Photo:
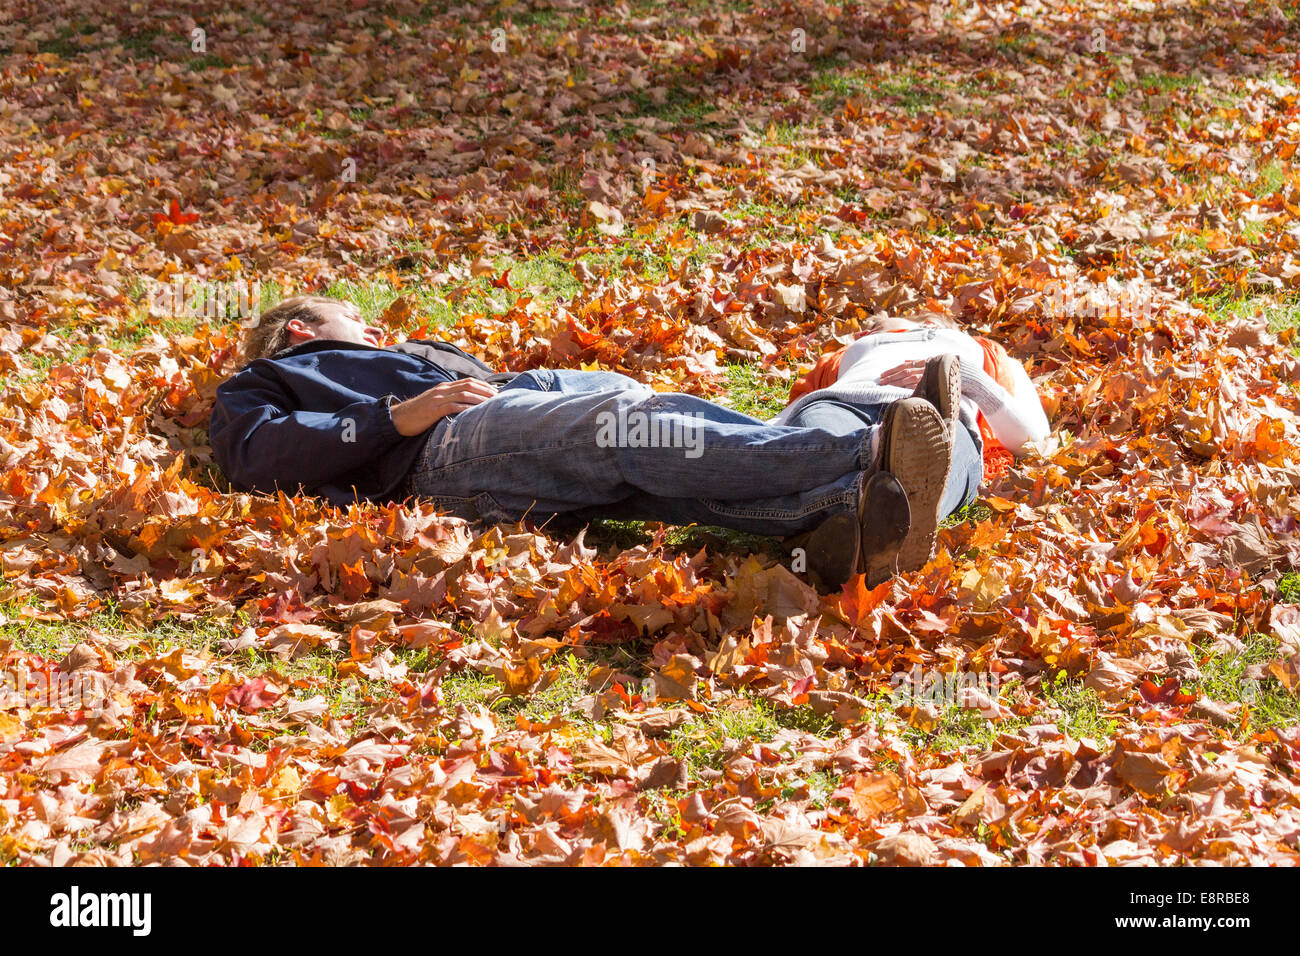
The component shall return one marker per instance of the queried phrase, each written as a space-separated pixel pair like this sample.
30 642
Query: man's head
306 317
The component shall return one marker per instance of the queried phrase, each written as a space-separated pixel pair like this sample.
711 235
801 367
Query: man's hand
907 375
417 415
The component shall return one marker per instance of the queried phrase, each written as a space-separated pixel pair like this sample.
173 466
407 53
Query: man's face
338 321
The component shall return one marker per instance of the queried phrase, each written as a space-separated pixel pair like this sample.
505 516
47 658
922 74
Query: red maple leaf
286 608
253 695
1170 692
175 216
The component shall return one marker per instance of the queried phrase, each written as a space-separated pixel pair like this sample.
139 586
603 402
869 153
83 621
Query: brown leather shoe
885 518
916 448
940 385
863 543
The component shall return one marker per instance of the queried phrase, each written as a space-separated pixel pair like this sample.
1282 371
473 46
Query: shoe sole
917 450
885 518
941 387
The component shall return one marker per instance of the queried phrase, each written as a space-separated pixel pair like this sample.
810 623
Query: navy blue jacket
315 417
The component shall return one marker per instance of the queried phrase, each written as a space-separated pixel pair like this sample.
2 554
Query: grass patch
1224 679
701 741
208 61
1168 82
958 728
681 107
141 44
1079 712
544 277
751 393
816 787
54 639
571 681
1271 178
1085 714
1282 311
972 514
833 86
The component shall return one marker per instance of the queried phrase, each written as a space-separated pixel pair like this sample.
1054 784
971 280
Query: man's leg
555 442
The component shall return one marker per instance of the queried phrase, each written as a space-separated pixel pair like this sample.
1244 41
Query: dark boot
885 519
863 543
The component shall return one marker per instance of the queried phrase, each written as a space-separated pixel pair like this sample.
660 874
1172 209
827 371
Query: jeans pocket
535 379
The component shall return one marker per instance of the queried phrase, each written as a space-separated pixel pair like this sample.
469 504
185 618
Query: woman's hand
417 415
907 375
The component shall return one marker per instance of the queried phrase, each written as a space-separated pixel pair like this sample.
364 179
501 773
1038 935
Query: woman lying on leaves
882 440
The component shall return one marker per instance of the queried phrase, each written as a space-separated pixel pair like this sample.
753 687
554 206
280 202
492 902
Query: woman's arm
1016 419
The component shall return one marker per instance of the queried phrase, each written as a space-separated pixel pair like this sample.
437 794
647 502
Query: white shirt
1016 418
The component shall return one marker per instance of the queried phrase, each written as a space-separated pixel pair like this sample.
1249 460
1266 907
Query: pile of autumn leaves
1141 539
1141 543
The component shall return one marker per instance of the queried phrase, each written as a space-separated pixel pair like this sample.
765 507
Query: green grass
61 45
973 513
834 85
1082 714
346 695
815 786
206 62
571 681
1168 82
1224 680
633 257
1271 178
958 728
681 106
661 807
751 394
54 639
1280 311
140 44
1288 588
700 741
543 278
137 326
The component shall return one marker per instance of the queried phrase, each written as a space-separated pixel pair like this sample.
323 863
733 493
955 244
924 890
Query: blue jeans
564 442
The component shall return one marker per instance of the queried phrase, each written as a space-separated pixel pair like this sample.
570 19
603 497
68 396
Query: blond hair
271 334
934 319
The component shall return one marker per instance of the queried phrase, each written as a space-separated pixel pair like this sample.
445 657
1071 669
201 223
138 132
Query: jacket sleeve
1016 419
262 443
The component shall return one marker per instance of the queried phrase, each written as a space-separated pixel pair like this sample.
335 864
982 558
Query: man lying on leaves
883 442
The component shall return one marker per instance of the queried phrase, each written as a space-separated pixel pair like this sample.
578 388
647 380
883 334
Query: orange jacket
996 456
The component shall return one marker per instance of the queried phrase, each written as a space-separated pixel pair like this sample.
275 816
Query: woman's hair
271 334
933 319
